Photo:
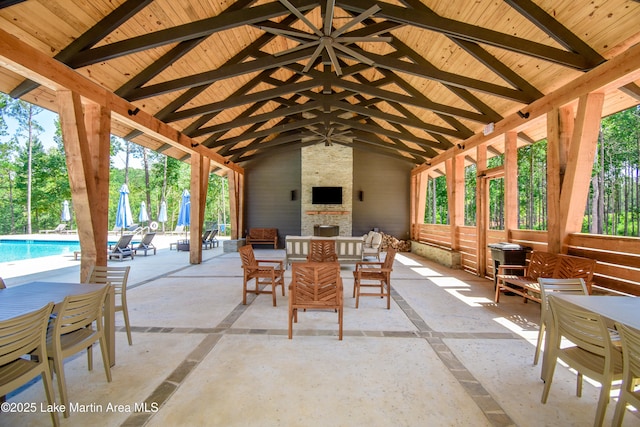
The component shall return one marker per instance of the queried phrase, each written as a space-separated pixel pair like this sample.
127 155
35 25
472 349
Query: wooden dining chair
630 372
265 272
315 285
117 278
322 250
553 286
592 353
23 354
72 331
379 273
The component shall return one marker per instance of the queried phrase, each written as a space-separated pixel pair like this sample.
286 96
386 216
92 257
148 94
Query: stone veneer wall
327 166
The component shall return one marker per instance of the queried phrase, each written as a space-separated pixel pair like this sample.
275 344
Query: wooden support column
236 200
455 191
418 202
575 187
560 124
86 143
198 199
482 211
510 181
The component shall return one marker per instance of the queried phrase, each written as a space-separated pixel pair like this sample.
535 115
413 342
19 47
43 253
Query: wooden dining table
21 299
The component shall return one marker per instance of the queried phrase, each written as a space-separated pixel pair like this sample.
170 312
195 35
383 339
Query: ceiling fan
327 38
328 135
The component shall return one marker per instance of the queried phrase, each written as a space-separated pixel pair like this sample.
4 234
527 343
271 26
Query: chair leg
105 357
273 292
579 385
539 344
58 368
548 379
90 357
127 326
357 292
47 381
244 292
388 285
340 323
620 409
603 401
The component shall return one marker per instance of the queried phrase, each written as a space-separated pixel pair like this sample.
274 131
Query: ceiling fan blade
363 39
328 16
364 15
287 32
297 48
313 58
334 58
353 53
300 16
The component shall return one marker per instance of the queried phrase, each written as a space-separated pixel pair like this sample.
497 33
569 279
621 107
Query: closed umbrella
66 214
185 209
143 216
162 215
123 213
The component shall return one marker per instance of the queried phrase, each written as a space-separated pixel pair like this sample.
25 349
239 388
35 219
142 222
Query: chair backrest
583 328
146 239
109 275
630 350
179 229
321 250
316 284
388 259
574 267
247 257
550 286
541 264
213 234
80 311
23 335
60 227
124 241
205 235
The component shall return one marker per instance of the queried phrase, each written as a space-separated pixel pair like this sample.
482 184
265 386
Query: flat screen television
326 195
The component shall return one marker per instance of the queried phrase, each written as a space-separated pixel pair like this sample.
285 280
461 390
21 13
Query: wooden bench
264 236
543 264
348 249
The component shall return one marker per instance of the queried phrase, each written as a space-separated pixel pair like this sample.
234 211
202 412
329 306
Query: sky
46 119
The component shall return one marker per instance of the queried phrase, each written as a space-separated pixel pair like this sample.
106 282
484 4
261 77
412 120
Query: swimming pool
12 250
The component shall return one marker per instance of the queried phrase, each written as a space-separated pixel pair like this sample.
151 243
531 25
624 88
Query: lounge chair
212 241
178 230
58 229
146 245
122 249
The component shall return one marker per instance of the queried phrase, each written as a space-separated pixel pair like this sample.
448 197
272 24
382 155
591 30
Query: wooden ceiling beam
89 38
423 17
236 101
194 30
24 59
226 71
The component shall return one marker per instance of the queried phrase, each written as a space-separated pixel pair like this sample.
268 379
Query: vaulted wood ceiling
406 78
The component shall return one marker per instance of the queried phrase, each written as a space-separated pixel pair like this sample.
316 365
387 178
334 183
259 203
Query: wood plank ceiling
405 78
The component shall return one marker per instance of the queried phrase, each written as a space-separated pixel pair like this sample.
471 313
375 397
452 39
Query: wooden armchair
377 272
264 271
315 285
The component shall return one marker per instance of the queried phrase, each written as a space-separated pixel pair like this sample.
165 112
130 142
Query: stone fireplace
327 166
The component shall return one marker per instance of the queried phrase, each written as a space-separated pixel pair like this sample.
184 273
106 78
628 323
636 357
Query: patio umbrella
66 214
185 209
143 216
123 213
162 215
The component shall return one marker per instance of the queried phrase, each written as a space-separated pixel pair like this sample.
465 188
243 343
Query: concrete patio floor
444 355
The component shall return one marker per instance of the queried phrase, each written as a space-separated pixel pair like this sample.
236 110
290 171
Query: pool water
12 250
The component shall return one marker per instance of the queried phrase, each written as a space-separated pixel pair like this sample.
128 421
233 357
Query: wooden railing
618 258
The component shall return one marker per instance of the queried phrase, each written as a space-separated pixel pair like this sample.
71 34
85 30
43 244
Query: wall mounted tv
326 195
